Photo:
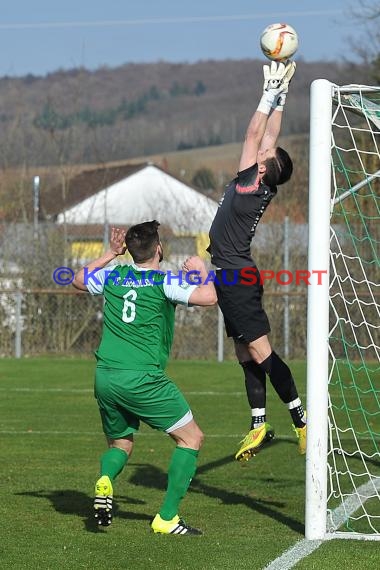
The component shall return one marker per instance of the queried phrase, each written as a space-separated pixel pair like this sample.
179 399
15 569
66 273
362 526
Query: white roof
145 195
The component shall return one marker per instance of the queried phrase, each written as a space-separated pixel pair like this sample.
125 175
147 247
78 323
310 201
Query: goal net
343 460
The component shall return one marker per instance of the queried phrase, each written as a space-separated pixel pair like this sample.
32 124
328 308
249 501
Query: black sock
255 385
283 382
297 412
280 377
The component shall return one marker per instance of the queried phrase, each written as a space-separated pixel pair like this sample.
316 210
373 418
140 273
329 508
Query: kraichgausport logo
245 276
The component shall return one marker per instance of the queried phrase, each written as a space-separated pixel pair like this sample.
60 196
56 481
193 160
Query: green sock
112 462
181 470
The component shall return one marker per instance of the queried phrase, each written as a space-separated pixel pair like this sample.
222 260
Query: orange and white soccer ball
279 42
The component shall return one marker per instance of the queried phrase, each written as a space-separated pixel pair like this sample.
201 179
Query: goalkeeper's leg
260 431
283 382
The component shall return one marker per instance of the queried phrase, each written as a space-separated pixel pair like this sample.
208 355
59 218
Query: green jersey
139 312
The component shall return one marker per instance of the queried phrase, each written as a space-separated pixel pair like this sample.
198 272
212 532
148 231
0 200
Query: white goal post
343 328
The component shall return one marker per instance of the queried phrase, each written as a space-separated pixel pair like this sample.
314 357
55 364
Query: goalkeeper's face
263 155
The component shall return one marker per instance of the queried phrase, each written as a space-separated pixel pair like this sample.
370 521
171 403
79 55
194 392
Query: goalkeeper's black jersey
234 225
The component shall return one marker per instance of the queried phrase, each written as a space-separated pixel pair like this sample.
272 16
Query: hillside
182 116
80 116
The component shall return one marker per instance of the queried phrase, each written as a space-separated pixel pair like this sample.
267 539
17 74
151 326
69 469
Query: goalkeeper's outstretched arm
264 127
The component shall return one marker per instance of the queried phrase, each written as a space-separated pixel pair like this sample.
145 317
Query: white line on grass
292 556
97 433
150 434
47 390
87 390
338 517
91 390
351 504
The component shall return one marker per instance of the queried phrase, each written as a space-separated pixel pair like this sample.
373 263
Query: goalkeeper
263 166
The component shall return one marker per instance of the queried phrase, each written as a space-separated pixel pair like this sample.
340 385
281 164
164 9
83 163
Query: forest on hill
82 116
65 119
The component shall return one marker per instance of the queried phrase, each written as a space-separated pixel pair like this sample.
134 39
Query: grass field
50 444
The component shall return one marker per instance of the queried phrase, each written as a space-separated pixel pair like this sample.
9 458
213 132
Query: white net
354 340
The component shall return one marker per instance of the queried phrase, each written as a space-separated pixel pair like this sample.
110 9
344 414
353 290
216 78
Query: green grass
51 441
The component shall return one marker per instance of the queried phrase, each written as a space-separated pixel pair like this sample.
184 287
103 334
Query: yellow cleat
254 441
301 436
174 526
103 501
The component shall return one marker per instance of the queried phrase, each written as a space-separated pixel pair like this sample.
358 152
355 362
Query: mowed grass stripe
88 390
138 434
234 393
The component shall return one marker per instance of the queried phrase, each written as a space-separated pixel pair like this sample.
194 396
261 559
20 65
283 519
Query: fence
36 321
60 322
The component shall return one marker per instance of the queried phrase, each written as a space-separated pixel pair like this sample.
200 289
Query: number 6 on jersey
129 307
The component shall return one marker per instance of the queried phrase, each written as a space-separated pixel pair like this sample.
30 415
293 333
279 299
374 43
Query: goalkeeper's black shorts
240 300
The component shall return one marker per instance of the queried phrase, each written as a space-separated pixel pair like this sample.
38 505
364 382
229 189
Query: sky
42 36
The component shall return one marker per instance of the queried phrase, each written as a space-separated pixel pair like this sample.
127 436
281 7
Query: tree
367 14
204 179
200 88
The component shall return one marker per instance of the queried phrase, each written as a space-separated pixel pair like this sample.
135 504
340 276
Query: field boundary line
91 390
294 555
339 516
281 437
138 434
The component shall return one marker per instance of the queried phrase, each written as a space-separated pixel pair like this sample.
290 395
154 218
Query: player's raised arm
117 247
265 124
273 126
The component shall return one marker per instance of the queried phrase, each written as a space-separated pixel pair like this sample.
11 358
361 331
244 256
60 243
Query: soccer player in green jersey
130 382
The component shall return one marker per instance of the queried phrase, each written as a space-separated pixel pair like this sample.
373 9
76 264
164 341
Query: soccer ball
279 42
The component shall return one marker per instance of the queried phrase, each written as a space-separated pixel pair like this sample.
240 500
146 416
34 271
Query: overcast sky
41 36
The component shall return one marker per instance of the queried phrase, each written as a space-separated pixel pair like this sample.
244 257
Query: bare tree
366 13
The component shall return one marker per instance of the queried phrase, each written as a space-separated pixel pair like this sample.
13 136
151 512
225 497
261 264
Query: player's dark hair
279 168
141 241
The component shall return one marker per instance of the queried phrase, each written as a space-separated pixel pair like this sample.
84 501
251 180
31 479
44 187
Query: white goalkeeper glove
276 84
290 69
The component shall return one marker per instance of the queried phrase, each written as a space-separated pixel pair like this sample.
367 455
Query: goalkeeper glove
290 69
272 86
276 84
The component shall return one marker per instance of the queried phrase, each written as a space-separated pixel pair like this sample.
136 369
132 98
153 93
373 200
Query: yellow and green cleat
301 436
254 442
103 501
175 526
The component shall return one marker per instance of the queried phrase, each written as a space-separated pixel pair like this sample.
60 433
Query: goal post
343 328
318 307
